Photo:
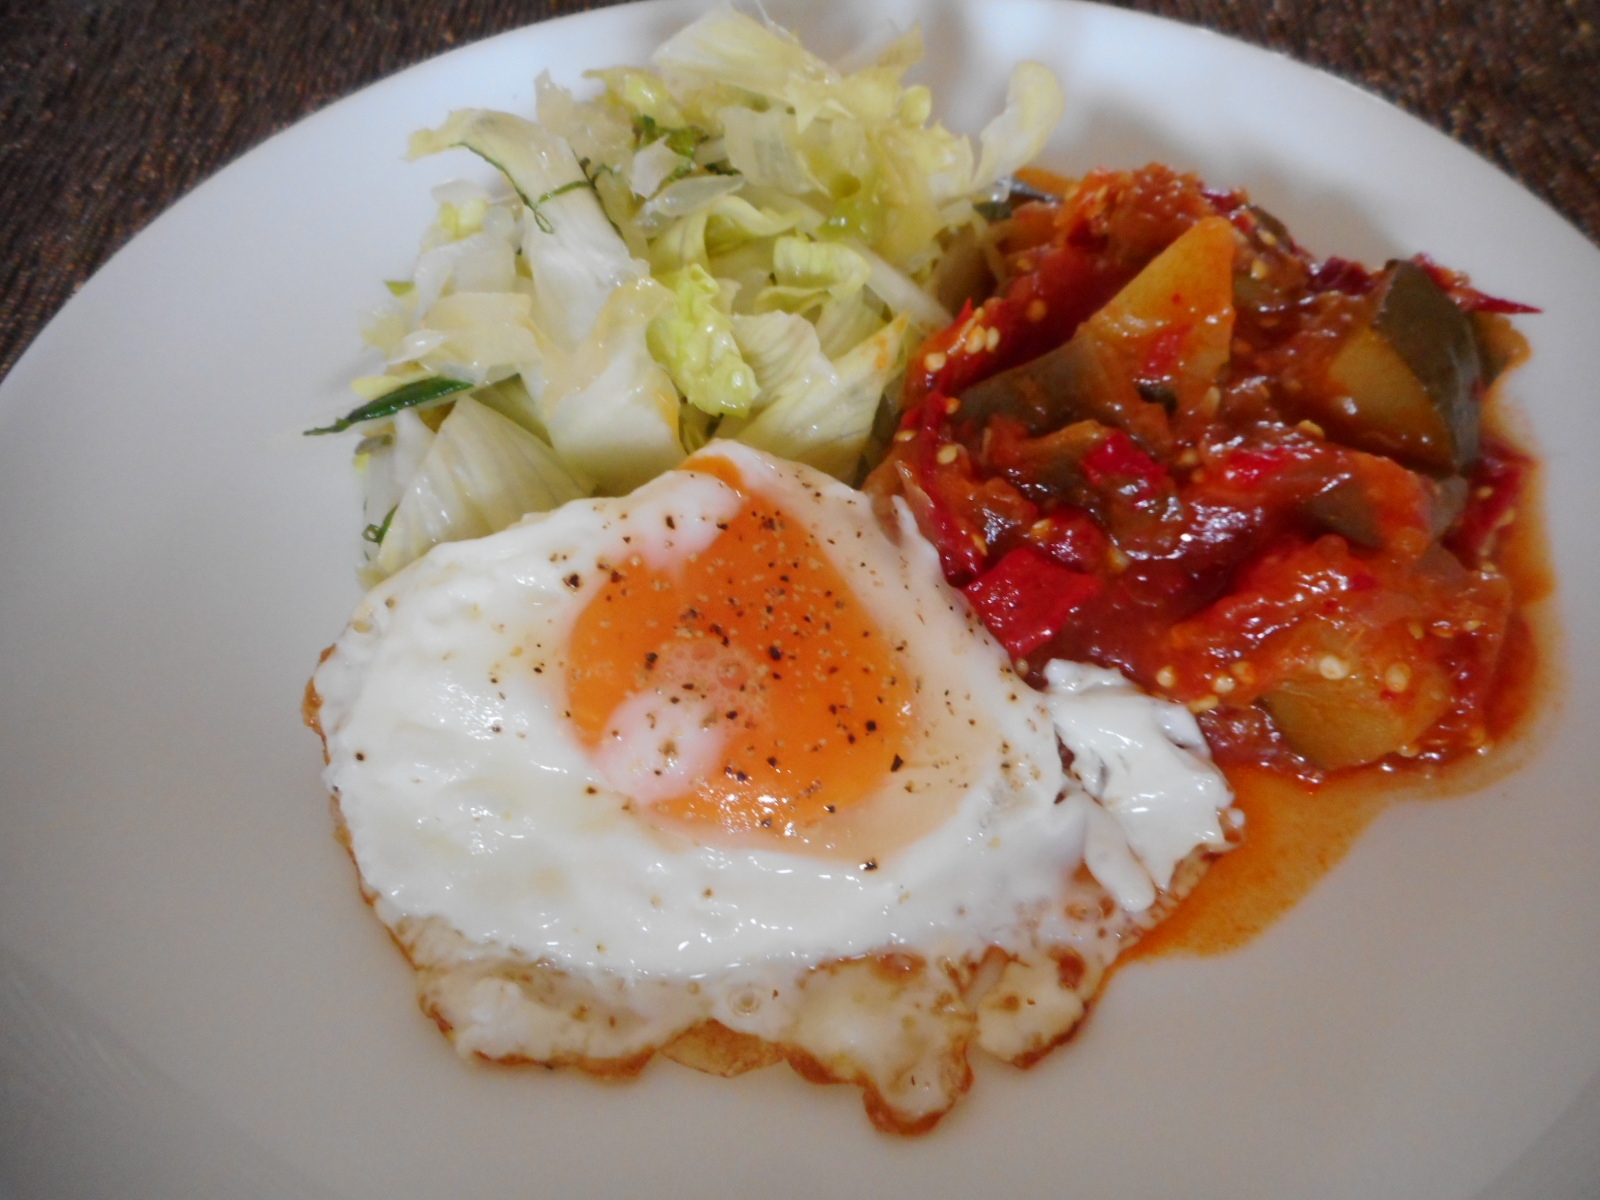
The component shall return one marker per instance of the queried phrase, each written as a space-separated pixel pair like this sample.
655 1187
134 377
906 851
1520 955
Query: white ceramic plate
193 1001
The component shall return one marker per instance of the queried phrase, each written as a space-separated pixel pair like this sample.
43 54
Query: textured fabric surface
112 109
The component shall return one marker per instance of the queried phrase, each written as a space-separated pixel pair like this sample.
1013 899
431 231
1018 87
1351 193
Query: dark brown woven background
112 109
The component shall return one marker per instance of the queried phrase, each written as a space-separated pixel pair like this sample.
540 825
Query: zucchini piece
1052 462
1500 345
963 273
1370 510
1348 509
1356 694
1074 382
1165 334
1409 378
1350 722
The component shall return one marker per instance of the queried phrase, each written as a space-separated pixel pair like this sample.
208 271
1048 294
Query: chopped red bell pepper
1027 596
1250 467
1496 483
1118 459
1468 297
1070 536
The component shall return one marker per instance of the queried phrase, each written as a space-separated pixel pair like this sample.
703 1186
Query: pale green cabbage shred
736 241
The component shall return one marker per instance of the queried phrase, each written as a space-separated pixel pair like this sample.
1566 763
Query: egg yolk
764 696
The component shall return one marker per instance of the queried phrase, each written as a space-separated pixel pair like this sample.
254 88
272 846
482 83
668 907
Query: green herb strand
376 533
542 221
539 219
682 140
410 395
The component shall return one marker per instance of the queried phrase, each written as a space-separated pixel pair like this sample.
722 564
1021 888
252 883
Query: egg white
550 920
468 796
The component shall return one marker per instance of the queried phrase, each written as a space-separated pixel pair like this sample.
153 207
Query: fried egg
723 769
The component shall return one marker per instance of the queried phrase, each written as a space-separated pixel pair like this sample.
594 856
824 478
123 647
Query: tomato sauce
1259 484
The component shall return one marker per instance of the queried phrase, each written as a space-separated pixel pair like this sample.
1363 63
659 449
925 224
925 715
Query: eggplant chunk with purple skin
1407 379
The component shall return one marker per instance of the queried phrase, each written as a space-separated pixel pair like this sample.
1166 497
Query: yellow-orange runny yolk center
746 687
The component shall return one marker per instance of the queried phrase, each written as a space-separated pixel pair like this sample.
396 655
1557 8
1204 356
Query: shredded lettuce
1034 107
574 256
808 273
784 352
684 198
901 293
481 261
597 131
655 165
725 224
693 337
483 336
387 460
826 424
480 474
764 147
611 409
735 240
512 399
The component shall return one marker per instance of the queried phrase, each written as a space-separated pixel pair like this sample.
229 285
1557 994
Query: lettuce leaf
653 166
386 460
611 409
728 48
513 399
764 147
736 240
685 197
784 353
725 223
484 336
1034 107
808 273
480 474
902 293
483 261
827 423
600 131
693 339
575 257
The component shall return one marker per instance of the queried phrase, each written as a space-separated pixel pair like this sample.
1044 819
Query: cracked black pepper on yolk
812 699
